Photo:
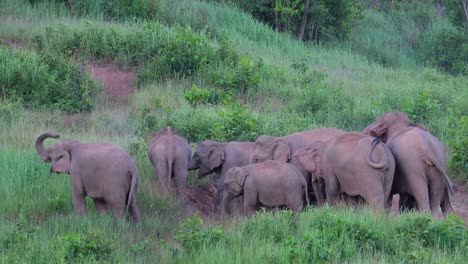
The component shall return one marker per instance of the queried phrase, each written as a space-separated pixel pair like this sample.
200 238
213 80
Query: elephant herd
326 165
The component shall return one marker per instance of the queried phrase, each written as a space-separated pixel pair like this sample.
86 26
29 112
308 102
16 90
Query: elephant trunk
40 145
383 161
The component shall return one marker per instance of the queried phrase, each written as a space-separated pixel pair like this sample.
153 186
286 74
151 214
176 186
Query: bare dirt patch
201 199
460 202
117 82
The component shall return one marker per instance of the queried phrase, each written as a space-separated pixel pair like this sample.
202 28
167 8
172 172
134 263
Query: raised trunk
305 14
40 145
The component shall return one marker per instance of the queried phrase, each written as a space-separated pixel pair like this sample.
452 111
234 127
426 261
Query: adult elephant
283 148
218 157
170 153
421 162
353 164
102 171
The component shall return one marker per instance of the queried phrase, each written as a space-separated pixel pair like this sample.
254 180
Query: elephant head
270 148
311 159
390 123
58 154
208 157
235 180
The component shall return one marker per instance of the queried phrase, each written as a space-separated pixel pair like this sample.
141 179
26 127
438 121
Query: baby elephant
170 153
102 171
270 183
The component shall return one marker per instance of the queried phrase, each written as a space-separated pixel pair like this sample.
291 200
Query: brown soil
118 82
460 202
201 199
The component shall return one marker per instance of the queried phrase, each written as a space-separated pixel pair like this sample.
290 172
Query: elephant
170 153
421 162
283 148
350 165
270 183
101 171
218 157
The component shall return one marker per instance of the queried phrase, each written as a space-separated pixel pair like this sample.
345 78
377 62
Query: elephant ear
240 176
215 157
281 151
378 129
61 164
311 158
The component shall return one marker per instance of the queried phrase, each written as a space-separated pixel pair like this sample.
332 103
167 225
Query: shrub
197 96
10 110
92 245
458 142
236 124
446 47
239 76
192 235
45 81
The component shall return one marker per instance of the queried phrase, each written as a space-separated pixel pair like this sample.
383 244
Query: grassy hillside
212 72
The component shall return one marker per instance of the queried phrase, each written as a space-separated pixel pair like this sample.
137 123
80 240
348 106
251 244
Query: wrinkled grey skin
270 183
352 164
283 148
102 171
170 153
421 162
218 157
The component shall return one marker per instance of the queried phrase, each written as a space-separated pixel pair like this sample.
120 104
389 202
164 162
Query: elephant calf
102 171
269 183
170 153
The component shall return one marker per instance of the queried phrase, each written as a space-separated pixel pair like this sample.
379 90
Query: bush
93 245
197 96
271 227
192 235
446 47
45 81
458 142
10 110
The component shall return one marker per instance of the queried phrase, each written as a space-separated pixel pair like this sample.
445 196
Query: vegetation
214 71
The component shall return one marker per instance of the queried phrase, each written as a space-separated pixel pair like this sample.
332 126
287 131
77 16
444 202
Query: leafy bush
197 96
446 47
10 110
93 245
458 142
192 235
45 81
236 124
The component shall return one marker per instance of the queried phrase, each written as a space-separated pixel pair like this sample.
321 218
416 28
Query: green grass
300 87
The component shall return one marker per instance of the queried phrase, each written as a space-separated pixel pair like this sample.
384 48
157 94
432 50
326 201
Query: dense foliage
44 80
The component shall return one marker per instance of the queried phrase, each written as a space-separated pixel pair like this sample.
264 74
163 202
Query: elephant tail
383 161
133 186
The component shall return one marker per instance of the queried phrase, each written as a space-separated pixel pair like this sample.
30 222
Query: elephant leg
250 204
162 169
180 177
318 192
134 211
436 192
117 203
375 198
101 205
79 202
419 188
332 189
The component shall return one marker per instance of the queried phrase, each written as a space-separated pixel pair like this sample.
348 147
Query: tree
303 24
